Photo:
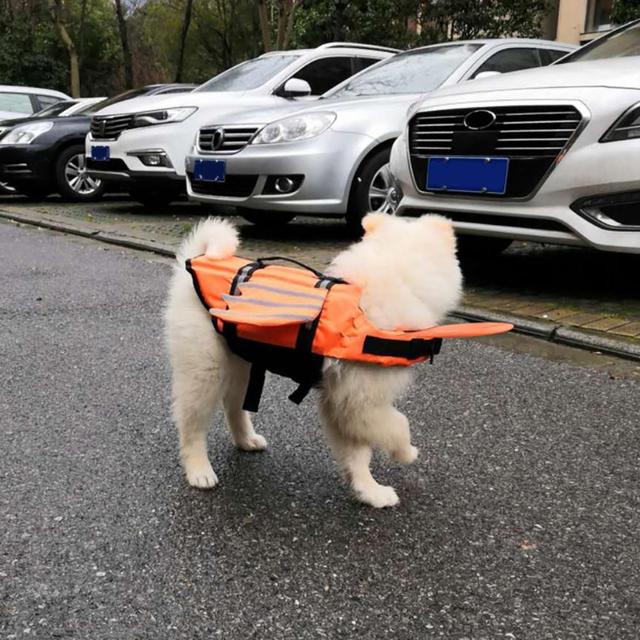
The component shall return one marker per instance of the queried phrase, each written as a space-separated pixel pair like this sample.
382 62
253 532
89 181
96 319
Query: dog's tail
213 237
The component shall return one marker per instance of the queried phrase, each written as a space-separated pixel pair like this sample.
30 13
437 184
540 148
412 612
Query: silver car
332 159
547 155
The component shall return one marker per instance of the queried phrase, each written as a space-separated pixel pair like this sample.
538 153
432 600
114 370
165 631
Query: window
249 75
510 60
598 13
325 73
618 44
15 103
415 71
47 101
548 56
56 109
359 64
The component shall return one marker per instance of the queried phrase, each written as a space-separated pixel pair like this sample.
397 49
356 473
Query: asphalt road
520 519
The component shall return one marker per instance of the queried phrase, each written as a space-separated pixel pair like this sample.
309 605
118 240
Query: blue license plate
209 170
100 154
467 175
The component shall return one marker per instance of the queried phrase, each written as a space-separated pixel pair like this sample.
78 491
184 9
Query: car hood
12 122
201 99
615 72
372 105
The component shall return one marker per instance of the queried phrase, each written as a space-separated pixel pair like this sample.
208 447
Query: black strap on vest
408 349
304 340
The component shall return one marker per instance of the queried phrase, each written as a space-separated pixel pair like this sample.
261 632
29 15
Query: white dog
410 279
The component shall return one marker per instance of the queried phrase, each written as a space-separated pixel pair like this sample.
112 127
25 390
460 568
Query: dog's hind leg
196 394
353 458
238 420
387 428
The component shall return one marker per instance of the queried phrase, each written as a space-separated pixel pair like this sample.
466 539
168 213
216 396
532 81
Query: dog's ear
373 221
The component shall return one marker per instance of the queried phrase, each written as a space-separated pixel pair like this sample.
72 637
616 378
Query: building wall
572 17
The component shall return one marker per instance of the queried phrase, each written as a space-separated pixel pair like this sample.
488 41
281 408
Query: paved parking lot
577 292
519 520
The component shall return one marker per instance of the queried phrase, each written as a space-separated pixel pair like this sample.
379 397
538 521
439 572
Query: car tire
153 198
266 218
373 189
480 246
73 182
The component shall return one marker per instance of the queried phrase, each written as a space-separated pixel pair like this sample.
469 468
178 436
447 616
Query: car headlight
295 128
626 127
26 133
163 116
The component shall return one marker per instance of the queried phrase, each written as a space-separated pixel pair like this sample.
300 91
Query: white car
20 102
144 142
331 158
549 155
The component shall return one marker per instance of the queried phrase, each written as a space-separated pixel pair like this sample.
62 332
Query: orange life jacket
287 320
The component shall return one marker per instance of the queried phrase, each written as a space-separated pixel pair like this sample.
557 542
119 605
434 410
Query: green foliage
468 19
382 22
225 32
625 11
29 50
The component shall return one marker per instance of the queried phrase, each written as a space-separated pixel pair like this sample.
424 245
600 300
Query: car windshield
411 72
55 109
622 44
250 74
121 97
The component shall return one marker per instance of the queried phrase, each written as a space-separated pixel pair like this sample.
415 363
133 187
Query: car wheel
374 190
154 198
266 218
73 182
479 246
6 189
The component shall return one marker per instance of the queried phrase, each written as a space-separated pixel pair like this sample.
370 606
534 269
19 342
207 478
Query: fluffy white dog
410 279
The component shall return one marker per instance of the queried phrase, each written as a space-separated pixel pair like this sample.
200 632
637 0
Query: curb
553 332
543 329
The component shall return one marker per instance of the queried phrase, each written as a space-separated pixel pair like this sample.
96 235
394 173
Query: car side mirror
487 74
295 88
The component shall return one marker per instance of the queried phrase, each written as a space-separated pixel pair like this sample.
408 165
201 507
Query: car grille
227 139
234 186
110 127
531 136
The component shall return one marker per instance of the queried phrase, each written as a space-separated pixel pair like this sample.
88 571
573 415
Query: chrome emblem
103 127
479 119
217 140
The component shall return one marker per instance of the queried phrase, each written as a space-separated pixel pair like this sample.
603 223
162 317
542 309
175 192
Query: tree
276 15
183 38
126 51
58 15
624 11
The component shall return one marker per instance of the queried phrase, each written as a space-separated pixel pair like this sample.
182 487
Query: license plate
100 154
468 175
209 170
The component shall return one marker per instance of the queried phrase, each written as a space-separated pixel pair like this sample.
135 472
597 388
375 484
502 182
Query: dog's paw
202 476
254 442
378 497
406 456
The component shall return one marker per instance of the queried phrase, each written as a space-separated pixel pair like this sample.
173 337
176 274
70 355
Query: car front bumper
26 164
125 164
322 169
556 212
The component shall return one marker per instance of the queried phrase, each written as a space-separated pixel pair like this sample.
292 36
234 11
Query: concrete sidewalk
520 287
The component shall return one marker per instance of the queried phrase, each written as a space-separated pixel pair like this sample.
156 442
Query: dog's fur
410 279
